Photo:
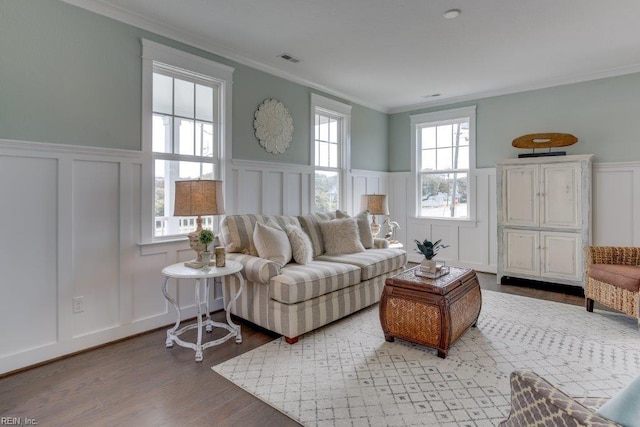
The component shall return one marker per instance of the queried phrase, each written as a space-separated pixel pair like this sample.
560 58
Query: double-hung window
186 109
330 148
443 151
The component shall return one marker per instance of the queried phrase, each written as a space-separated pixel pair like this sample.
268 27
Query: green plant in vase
205 238
429 250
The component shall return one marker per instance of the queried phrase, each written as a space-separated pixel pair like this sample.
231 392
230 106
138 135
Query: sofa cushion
272 242
284 220
301 247
311 225
341 236
256 269
237 233
622 276
297 283
372 262
364 228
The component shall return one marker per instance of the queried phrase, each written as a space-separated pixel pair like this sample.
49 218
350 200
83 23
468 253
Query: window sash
443 200
329 137
184 150
330 148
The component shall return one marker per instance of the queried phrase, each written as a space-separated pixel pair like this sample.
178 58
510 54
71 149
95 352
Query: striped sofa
296 299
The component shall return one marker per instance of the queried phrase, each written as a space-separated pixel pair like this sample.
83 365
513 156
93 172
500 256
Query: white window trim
344 110
435 118
219 73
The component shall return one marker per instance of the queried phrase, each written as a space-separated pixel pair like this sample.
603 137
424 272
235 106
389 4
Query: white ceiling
388 54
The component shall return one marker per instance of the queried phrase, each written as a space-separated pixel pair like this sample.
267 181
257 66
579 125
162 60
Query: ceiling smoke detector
289 58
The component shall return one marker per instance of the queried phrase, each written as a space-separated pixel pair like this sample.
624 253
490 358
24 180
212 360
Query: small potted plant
205 238
429 250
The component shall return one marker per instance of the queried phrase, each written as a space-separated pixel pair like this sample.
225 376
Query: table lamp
376 204
196 198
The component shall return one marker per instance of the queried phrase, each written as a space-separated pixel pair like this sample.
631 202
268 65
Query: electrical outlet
78 305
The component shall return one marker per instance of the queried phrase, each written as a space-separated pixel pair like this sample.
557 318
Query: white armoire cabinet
544 217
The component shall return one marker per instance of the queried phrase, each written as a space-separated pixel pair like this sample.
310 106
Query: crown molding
567 80
119 14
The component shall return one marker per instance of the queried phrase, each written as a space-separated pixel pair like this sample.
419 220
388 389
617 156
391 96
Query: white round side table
180 271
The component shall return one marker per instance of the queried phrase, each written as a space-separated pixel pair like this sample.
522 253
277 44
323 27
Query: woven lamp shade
376 204
198 197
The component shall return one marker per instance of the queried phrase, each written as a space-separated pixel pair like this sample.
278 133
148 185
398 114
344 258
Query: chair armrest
534 401
256 269
380 243
611 255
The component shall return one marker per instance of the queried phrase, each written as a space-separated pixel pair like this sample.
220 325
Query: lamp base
375 229
196 246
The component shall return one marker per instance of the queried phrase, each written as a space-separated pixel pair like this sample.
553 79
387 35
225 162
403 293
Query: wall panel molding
84 197
616 204
471 242
52 197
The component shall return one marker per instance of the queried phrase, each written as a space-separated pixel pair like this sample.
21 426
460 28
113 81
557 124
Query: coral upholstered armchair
612 278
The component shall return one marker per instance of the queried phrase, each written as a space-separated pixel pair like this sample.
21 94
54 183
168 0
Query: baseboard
545 286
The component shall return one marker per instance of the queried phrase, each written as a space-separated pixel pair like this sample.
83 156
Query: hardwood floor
140 382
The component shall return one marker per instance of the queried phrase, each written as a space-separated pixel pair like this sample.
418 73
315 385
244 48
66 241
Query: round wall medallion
274 126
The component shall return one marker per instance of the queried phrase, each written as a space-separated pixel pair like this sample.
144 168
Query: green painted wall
604 115
70 76
73 77
369 133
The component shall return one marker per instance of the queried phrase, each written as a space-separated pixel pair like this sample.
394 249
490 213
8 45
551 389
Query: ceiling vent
289 58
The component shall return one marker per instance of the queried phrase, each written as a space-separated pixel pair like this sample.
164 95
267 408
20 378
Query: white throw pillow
341 236
272 243
364 228
301 246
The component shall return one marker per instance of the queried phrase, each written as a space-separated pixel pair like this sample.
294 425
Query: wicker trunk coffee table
430 312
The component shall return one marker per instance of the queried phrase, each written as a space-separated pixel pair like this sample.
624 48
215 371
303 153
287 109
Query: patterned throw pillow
301 247
364 228
341 236
272 243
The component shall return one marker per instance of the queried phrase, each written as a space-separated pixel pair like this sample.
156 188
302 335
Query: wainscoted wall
615 207
70 227
472 244
268 188
285 189
616 204
70 222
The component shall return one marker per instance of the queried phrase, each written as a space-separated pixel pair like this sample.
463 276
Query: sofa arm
611 255
534 401
380 243
256 269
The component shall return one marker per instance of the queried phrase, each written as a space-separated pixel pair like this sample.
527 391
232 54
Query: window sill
156 247
169 240
459 221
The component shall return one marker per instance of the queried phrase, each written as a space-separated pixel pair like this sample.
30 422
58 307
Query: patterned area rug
346 374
